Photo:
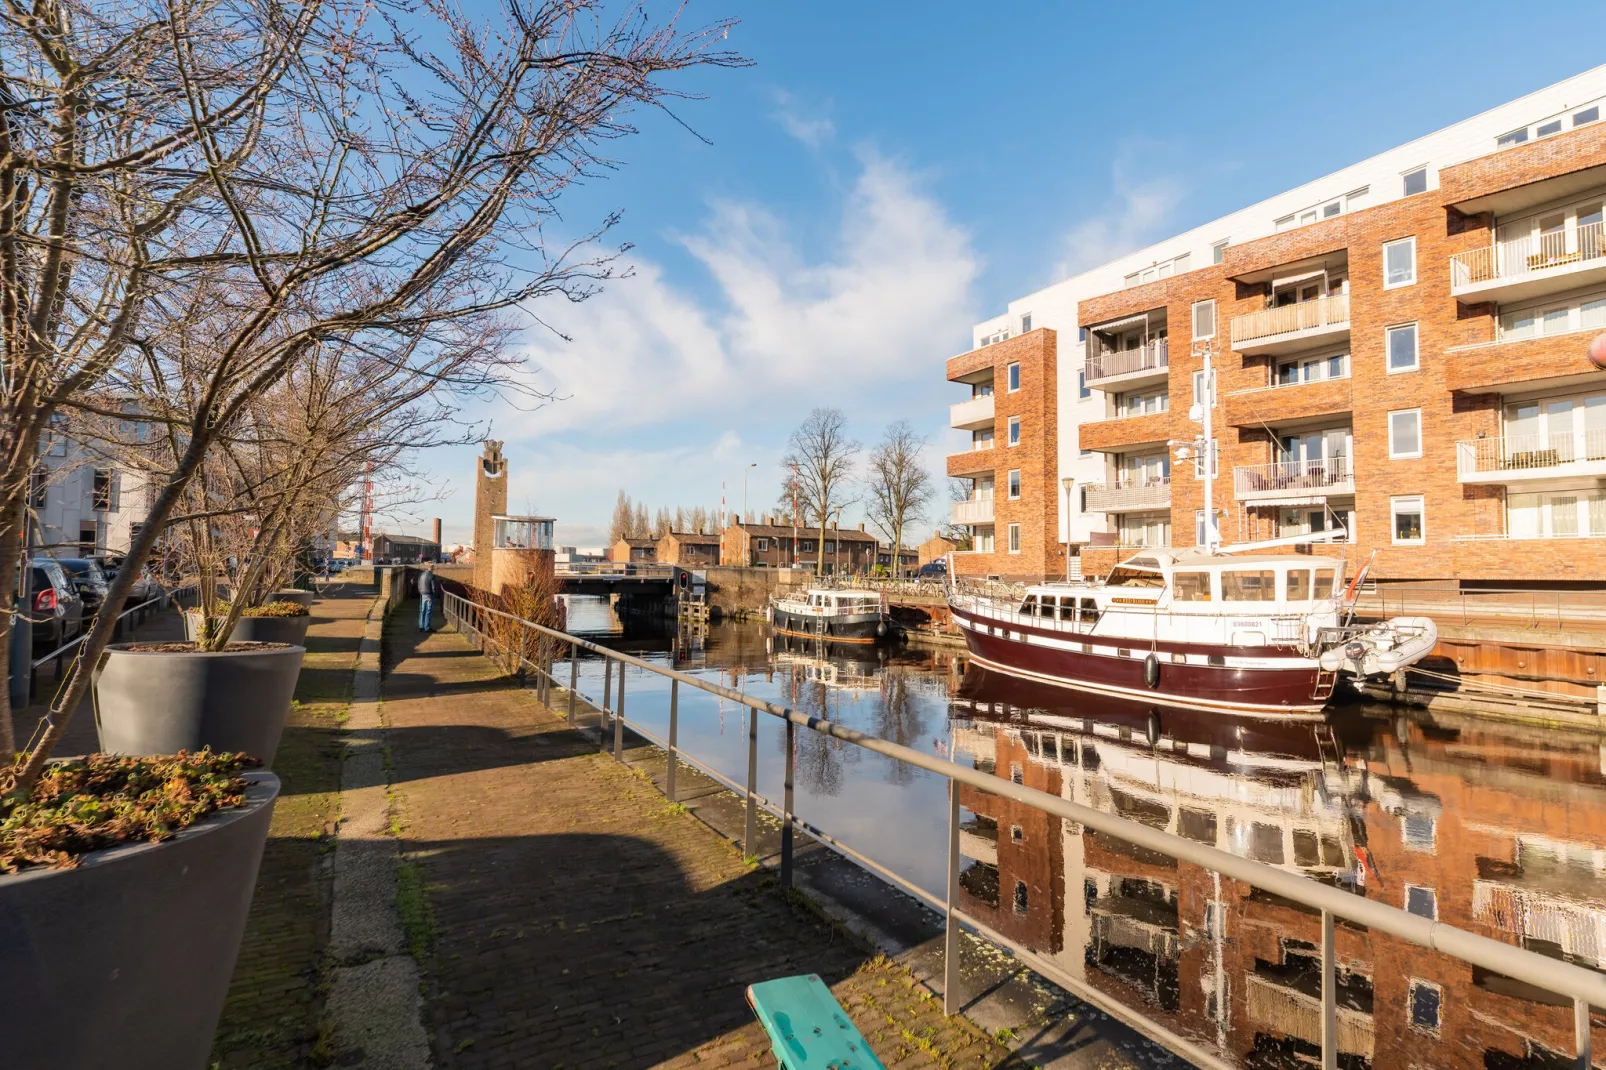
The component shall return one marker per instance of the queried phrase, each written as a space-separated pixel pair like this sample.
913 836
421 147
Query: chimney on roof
861 525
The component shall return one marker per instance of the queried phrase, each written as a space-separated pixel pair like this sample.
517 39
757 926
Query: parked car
57 611
85 574
145 585
933 570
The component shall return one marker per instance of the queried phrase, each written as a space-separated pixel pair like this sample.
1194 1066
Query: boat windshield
1127 576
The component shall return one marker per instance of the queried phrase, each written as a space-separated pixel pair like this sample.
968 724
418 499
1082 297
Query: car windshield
82 566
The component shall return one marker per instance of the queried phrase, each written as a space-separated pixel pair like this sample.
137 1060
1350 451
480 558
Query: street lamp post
1068 483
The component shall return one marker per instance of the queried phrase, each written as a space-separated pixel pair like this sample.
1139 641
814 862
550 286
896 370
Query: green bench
808 1028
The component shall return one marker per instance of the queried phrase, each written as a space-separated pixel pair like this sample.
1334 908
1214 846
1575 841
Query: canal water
1496 829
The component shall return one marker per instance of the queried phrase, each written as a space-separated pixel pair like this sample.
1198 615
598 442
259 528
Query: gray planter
125 960
293 594
292 630
159 703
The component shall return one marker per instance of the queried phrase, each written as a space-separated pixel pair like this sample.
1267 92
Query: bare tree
661 524
823 457
640 524
898 484
206 191
623 522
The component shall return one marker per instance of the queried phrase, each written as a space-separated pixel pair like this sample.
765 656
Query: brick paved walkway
576 920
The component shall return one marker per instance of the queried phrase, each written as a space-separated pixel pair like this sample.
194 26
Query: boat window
1090 611
1243 585
1326 583
1123 576
1029 606
1190 586
1299 585
1067 608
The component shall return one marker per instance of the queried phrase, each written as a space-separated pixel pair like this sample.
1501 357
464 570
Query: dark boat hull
855 628
1099 664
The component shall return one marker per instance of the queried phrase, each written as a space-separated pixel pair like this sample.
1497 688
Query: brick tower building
490 499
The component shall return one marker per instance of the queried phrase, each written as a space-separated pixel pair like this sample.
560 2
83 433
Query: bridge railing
607 569
1582 987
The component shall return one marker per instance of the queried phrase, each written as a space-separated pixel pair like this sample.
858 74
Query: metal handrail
1584 987
59 651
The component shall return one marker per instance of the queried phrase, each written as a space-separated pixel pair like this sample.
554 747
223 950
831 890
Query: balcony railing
974 511
1518 454
1325 475
1127 496
1151 356
1528 256
1289 319
972 414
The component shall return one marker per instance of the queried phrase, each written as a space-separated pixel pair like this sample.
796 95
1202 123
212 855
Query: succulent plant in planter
124 889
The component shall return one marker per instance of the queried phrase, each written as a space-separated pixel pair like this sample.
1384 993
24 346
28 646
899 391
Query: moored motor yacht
837 616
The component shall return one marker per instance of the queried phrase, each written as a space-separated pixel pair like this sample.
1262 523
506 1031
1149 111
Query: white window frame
1083 391
1410 1011
1405 180
1405 901
1416 348
1387 246
1014 538
1012 377
1013 438
1397 454
1026 323
761 545
1218 250
1197 305
1400 503
1012 485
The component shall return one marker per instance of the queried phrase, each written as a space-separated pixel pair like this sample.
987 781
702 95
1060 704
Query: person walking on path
427 586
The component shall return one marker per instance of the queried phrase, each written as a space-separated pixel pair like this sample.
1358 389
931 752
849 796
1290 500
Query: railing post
950 946
1329 996
1582 1041
574 678
674 725
607 699
619 719
786 820
750 836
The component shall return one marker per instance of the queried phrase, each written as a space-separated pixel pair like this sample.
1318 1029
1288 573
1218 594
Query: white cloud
1144 200
885 305
813 131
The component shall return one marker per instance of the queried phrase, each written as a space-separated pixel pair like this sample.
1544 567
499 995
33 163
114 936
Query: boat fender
881 628
1151 671
1152 728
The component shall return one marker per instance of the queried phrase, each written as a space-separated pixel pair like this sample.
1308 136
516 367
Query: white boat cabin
832 603
1197 597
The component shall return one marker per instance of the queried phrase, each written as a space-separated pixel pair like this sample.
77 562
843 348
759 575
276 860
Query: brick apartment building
1399 348
768 544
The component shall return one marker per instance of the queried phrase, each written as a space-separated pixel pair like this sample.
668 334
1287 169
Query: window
88 536
1546 129
1081 334
101 494
1020 897
1416 181
1014 430
1082 389
982 440
761 545
1015 775
1085 454
805 545
1140 403
1026 324
1516 137
1218 252
1204 320
1399 263
55 437
1014 538
1245 585
1190 587
1406 519
41 487
1312 370
1425 1002
1014 484
1199 388
1405 433
1014 378
1402 348
1422 902
1588 115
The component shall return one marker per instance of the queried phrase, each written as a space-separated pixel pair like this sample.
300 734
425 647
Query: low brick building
633 551
404 549
938 546
690 549
768 544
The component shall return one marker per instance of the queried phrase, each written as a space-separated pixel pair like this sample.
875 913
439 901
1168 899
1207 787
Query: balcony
1322 477
1287 403
972 461
1132 496
974 511
1287 1010
1529 458
1149 363
973 415
1124 433
1292 327
1530 266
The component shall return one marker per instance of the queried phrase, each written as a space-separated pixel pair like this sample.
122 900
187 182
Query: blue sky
886 174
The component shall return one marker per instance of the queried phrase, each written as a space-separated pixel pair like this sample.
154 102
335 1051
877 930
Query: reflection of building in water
1503 838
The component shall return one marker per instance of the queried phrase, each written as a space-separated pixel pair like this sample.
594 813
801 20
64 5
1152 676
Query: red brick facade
1041 556
1462 377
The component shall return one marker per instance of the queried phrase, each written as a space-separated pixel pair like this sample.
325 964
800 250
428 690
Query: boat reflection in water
1489 833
